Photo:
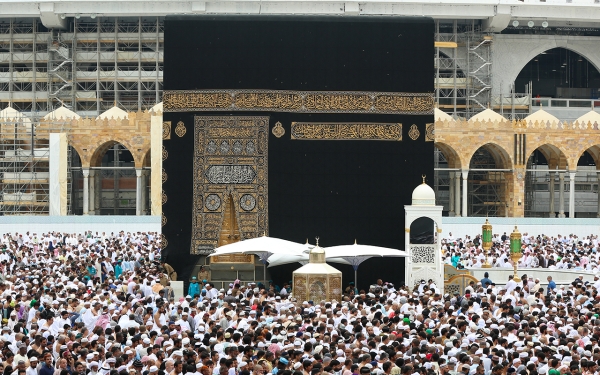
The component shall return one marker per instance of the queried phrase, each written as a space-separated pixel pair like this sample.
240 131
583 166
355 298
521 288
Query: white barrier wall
461 226
500 275
79 224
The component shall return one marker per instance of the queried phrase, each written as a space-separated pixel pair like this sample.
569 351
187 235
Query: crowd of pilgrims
97 303
539 251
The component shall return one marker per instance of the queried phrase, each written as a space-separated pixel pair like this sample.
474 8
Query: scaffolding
530 185
88 68
441 179
60 72
479 70
485 186
24 166
463 69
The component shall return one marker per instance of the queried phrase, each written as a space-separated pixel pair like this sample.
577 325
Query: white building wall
510 54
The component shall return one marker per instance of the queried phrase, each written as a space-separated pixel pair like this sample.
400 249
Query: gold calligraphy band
346 131
299 101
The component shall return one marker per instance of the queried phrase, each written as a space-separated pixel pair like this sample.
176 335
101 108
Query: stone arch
541 199
146 160
101 149
500 155
453 158
82 155
554 155
422 231
512 52
594 151
487 187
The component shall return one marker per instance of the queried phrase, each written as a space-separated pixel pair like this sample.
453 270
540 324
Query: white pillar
465 174
156 122
98 198
92 193
451 195
138 191
86 192
408 260
551 198
561 194
57 166
457 194
572 194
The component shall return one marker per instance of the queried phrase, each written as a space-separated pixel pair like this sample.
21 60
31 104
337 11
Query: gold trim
232 258
166 130
278 130
164 198
429 132
163 242
163 220
439 230
343 131
180 129
165 153
164 176
414 132
299 101
407 230
227 167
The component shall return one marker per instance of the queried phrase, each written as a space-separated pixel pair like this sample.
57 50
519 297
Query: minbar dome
423 195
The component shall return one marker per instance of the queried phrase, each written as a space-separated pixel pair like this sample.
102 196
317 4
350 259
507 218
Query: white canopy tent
356 254
264 247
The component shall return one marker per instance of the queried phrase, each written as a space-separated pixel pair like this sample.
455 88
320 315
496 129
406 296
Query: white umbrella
263 247
302 257
356 254
280 259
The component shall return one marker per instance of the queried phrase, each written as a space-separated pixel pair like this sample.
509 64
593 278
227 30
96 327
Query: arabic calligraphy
208 100
343 131
299 101
429 132
403 103
223 132
230 160
230 174
269 100
337 102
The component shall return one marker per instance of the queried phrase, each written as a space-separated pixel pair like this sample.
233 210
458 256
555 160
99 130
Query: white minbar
424 261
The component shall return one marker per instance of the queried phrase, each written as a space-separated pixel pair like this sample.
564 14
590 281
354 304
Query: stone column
465 174
138 191
457 194
572 194
98 192
86 192
561 194
92 192
551 199
451 195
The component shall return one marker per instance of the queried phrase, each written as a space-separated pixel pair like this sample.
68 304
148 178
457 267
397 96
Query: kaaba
295 127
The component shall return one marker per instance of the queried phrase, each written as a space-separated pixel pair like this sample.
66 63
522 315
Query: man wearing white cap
32 369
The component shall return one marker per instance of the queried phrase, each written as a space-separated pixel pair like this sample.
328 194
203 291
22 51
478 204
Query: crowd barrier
79 224
461 226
